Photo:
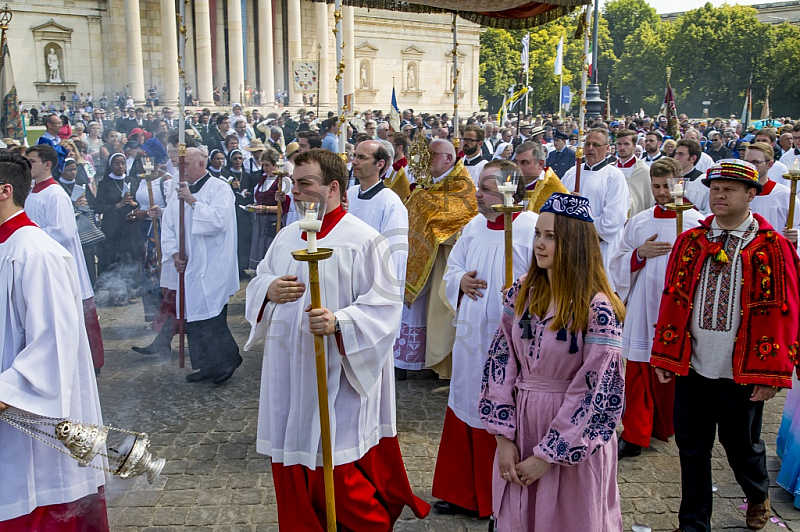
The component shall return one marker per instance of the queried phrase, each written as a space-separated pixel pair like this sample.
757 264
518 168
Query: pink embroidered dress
558 396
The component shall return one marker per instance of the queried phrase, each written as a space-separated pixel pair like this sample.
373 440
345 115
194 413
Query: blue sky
671 6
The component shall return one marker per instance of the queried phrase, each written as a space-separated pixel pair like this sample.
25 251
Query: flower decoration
667 334
767 347
717 253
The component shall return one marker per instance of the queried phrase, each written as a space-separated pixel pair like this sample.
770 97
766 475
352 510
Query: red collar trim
499 224
399 164
43 185
328 222
768 186
629 164
10 226
662 213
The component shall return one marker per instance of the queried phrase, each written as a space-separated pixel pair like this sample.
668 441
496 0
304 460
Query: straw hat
291 148
255 145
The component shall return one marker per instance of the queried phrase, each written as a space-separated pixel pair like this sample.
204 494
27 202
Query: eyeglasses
465 139
594 144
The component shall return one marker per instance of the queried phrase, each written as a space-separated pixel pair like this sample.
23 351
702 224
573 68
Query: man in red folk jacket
728 327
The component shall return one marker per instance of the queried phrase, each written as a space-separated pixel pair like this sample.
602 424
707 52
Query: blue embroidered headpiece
568 205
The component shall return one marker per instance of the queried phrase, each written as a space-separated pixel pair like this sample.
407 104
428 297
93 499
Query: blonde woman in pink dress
553 384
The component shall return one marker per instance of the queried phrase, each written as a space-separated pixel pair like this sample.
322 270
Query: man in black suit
561 158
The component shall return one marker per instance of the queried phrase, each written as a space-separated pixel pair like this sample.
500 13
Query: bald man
438 208
210 267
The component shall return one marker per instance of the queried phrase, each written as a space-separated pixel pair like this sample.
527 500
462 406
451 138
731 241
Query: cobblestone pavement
215 481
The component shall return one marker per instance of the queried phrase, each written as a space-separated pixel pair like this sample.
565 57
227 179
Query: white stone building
122 45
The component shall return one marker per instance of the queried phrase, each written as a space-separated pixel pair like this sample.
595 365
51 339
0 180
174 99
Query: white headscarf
498 153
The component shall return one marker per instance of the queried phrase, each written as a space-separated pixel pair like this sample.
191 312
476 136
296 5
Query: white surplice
481 249
638 178
697 193
607 192
51 209
773 205
641 289
45 369
356 283
212 275
385 213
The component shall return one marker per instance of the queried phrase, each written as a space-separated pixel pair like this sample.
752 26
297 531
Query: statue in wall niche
364 75
52 63
412 76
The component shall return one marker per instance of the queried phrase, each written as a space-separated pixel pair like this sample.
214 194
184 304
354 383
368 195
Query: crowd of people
543 362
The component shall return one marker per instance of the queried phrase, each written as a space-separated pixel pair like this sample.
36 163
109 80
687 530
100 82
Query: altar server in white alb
636 172
211 271
607 191
638 269
359 319
45 369
773 201
474 292
49 207
377 205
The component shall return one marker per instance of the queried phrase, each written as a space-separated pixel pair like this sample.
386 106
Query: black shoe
400 374
154 350
226 373
628 449
198 376
447 508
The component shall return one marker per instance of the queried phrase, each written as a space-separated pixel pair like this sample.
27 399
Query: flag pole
582 102
527 70
181 180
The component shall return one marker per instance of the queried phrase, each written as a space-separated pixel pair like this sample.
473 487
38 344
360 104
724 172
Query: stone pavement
215 481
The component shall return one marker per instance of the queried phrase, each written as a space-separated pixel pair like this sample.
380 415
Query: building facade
104 47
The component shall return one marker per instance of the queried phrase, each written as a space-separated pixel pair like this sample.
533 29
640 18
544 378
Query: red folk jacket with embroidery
765 349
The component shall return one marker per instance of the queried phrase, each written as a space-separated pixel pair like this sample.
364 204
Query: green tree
624 17
780 67
713 54
640 75
500 65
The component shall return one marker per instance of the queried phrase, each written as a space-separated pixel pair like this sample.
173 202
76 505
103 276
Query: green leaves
713 51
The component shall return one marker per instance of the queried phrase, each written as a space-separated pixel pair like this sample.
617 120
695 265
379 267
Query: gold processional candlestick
793 175
313 214
508 187
148 177
676 190
278 204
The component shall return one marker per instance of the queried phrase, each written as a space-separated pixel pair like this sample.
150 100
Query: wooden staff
181 20
156 237
313 259
578 166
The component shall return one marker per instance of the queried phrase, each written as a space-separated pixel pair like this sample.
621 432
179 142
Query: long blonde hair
577 276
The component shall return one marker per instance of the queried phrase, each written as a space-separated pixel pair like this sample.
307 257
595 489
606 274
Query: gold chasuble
398 182
543 190
436 216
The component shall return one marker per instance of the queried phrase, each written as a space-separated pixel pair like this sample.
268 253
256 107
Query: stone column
295 49
349 34
235 50
323 37
189 53
266 51
205 88
169 47
133 49
251 78
221 67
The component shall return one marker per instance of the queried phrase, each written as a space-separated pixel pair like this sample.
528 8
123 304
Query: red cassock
648 405
464 466
87 514
92 324
370 493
